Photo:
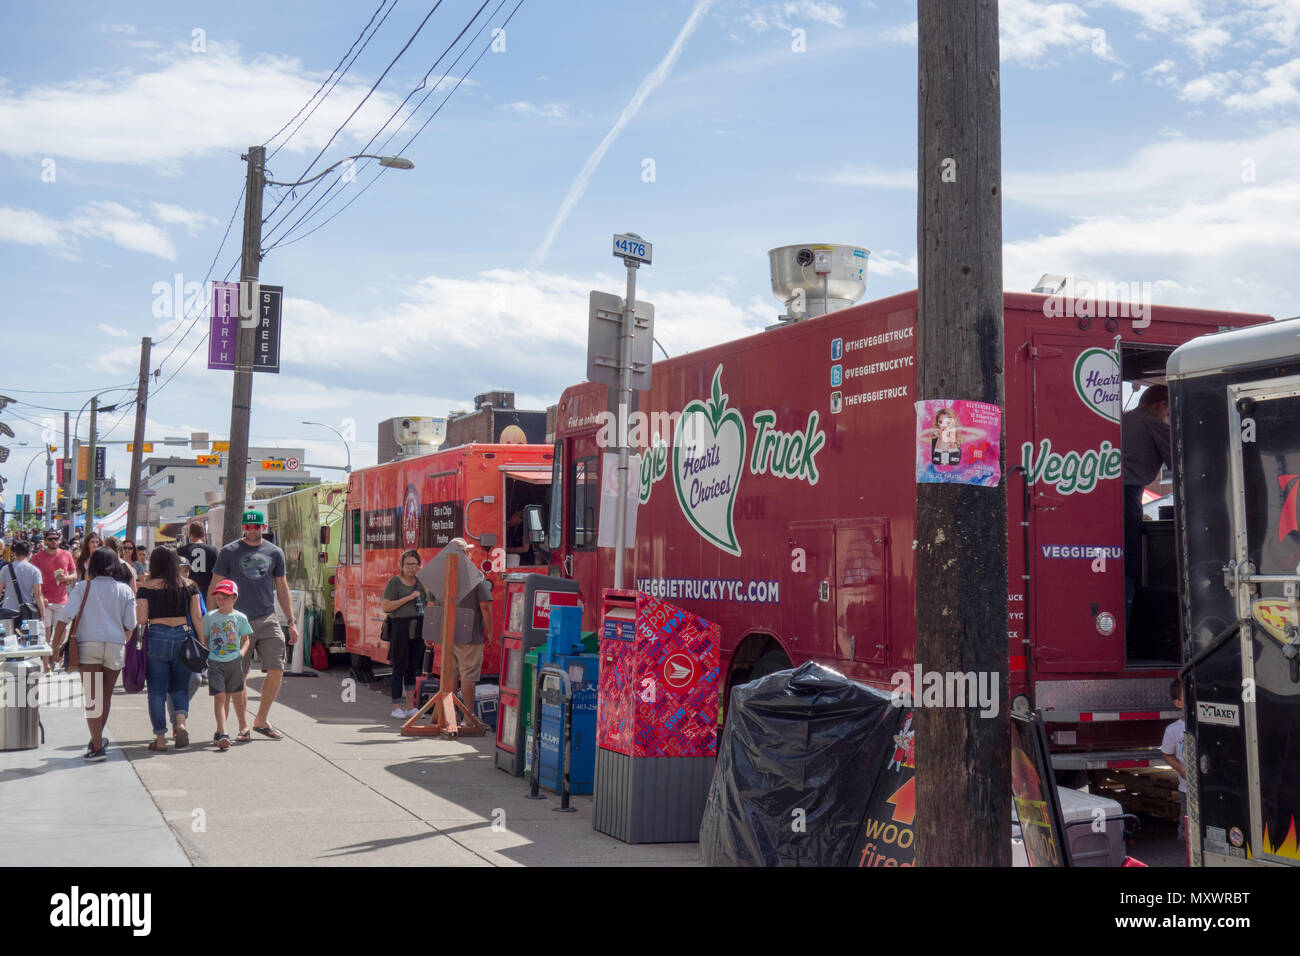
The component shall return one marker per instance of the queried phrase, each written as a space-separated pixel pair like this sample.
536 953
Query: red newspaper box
656 719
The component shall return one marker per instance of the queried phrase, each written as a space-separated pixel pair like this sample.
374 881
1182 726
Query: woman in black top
403 601
168 606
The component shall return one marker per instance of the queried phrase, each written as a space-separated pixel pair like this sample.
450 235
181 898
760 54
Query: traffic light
40 501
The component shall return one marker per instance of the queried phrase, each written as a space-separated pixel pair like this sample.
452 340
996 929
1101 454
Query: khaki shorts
268 641
109 655
53 614
467 661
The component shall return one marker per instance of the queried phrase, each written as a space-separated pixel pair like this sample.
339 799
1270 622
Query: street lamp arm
346 447
393 162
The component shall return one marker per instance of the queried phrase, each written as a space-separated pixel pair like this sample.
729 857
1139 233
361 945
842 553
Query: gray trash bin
20 715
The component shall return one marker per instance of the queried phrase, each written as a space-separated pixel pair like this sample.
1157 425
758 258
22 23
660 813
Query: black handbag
193 654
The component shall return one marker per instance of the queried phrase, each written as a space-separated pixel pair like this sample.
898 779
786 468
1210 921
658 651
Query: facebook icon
837 349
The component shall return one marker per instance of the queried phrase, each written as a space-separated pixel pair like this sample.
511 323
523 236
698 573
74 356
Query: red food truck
776 496
423 502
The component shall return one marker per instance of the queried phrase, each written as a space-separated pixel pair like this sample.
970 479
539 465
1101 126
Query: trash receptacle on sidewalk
20 713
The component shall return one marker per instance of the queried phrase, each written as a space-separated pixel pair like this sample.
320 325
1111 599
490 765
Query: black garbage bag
806 739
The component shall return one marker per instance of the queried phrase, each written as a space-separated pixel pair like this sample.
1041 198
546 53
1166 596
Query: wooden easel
444 703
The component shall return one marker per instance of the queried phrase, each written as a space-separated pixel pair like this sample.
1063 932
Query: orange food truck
421 503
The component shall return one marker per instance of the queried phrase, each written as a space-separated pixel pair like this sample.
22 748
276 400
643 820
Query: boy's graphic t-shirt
225 634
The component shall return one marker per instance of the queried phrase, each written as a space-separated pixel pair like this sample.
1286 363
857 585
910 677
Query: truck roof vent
814 278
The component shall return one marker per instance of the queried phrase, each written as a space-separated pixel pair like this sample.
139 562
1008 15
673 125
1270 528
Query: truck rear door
1076 507
1266 583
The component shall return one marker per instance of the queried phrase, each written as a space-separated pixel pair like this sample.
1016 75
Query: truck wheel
771 662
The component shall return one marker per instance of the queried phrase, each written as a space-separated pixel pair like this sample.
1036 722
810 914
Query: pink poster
958 442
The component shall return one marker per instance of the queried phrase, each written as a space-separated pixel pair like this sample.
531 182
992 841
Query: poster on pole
958 442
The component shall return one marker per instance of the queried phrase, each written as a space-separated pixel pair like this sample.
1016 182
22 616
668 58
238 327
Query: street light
45 450
392 162
348 469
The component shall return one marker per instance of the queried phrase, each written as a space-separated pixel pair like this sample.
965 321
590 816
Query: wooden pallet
1152 790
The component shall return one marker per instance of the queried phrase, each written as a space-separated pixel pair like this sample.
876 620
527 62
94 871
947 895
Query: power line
327 79
354 112
212 265
285 240
324 197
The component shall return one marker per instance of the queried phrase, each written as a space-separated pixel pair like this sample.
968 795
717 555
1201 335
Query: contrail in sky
654 79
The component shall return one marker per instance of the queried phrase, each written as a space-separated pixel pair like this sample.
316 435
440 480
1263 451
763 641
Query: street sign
222 325
199 441
146 448
221 446
272 464
101 459
208 459
604 335
291 464
225 321
631 246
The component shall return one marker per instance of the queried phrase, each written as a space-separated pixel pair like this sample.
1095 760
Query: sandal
182 738
245 737
156 747
269 731
223 742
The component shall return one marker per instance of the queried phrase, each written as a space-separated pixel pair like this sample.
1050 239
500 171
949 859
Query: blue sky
1143 140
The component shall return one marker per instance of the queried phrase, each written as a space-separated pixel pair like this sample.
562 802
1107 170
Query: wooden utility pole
137 449
69 469
241 401
963 776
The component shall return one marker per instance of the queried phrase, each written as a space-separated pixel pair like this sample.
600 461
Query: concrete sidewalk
58 810
342 788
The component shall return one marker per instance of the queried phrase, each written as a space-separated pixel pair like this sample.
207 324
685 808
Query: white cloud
100 219
868 175
189 104
179 215
28 227
1210 86
1029 31
1184 20
796 13
1276 88
548 111
115 331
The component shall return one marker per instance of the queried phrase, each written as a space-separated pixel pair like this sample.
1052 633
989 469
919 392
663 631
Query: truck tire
771 662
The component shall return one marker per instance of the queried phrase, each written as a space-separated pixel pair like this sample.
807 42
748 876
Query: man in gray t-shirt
257 568
28 577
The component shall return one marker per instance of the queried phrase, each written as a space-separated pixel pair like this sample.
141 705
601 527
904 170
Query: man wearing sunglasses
257 568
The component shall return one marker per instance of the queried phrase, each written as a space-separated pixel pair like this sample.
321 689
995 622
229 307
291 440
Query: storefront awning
542 476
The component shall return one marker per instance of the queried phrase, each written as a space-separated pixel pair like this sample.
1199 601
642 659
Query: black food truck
1235 399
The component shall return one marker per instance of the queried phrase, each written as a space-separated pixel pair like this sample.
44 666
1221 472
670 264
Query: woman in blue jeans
168 607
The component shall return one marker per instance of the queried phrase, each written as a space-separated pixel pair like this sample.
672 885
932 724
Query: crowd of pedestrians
101 603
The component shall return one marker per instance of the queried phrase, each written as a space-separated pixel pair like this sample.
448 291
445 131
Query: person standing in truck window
1144 433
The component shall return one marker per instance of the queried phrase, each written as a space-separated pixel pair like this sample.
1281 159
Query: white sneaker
412 712
399 713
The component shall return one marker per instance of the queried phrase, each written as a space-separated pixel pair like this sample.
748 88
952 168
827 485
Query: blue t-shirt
225 633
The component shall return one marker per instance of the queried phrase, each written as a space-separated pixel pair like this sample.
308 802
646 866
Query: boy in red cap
228 642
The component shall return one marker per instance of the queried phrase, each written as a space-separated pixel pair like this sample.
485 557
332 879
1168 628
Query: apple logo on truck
708 458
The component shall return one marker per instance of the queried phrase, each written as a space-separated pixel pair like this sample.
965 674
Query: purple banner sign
224 322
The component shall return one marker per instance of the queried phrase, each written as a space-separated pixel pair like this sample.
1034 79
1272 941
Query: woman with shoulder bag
101 611
404 601
168 609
